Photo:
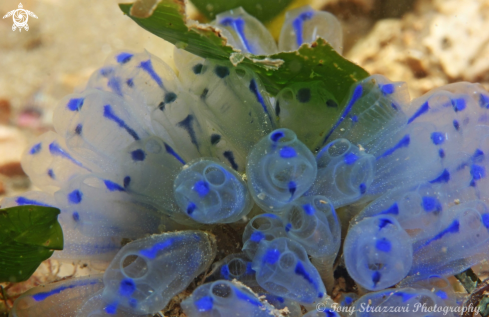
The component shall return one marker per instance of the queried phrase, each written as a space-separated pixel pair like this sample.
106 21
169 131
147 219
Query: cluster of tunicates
161 156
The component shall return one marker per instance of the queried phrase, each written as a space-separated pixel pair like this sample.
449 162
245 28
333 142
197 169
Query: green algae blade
311 63
28 236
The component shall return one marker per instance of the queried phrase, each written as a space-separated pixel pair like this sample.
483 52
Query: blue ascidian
283 269
224 298
62 299
147 273
280 169
312 222
262 227
378 252
210 192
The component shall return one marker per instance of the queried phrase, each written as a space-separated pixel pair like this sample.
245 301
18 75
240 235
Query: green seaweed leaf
311 63
28 236
262 10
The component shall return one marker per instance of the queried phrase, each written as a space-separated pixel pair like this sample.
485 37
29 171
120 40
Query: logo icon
20 17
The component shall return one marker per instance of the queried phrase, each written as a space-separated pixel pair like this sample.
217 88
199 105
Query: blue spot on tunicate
123 58
147 66
75 104
348 300
404 142
303 95
75 197
424 108
187 125
215 138
21 201
350 158
138 155
485 220
430 204
384 222
288 152
309 209
249 268
478 156
297 25
238 26
277 136
437 138
55 149
393 105
202 188
383 245
456 125
204 93
441 153
109 114
127 181
170 150
42 296
477 171
405 296
363 188
221 71
36 148
484 101
78 129
106 71
288 227
230 157
443 178
394 210
301 271
51 173
354 118
197 69
204 304
376 277
170 97
441 294
357 93
76 216
292 188
111 186
458 104
127 287
114 83
387 89
272 256
111 309
225 271
191 208
130 82
257 236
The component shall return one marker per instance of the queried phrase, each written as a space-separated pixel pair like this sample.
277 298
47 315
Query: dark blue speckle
191 208
458 104
75 104
287 152
363 188
51 173
221 71
75 197
76 216
272 256
197 69
35 149
387 89
127 287
277 136
383 245
350 158
456 125
123 58
257 236
309 209
202 188
204 304
138 155
78 129
430 204
437 138
127 181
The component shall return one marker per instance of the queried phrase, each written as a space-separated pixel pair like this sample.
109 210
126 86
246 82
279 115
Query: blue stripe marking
230 157
170 150
42 296
109 114
404 142
484 101
254 89
392 210
152 251
301 271
147 66
297 25
55 149
21 201
111 186
424 108
357 93
114 83
238 26
247 298
187 125
453 228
